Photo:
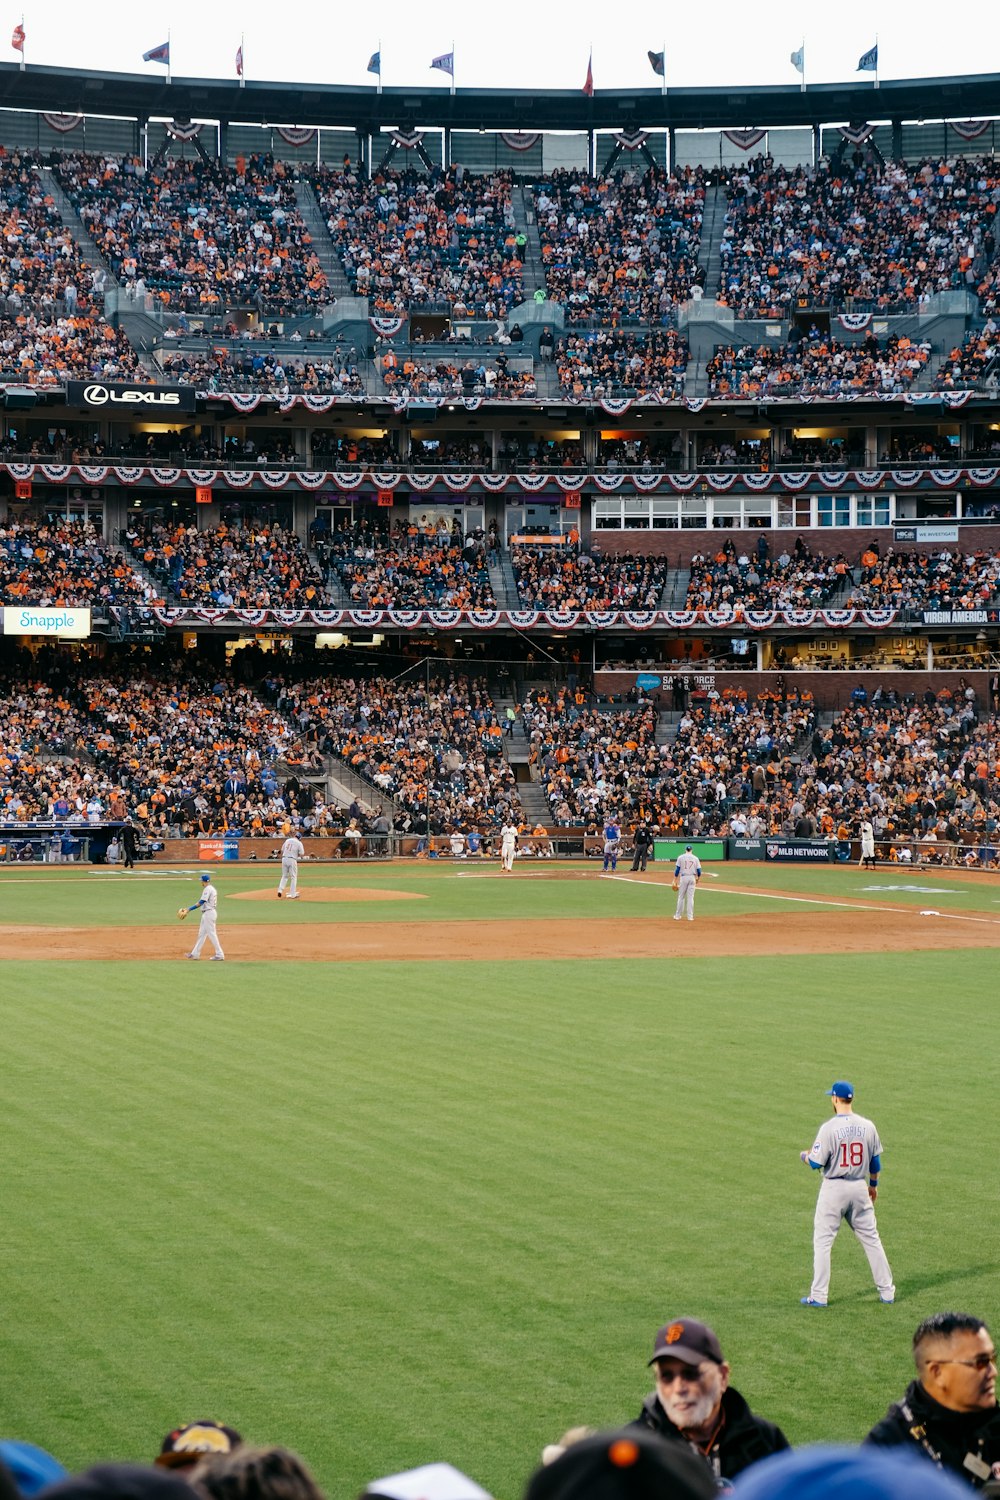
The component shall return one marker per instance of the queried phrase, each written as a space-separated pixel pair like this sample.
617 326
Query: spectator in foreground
628 1465
949 1413
120 1482
694 1403
255 1474
187 1446
833 1473
25 1469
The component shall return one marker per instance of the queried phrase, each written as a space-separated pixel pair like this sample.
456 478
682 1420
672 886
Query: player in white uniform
291 852
847 1150
687 873
208 906
508 843
867 844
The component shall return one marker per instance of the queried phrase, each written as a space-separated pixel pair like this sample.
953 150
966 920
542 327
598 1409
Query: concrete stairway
525 223
709 257
315 221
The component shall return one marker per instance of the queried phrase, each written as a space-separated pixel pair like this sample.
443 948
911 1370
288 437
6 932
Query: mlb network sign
46 619
130 400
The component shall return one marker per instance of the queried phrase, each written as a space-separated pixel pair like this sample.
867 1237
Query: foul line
726 890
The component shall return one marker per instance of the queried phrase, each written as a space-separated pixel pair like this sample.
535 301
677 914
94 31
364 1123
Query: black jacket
951 1435
743 1440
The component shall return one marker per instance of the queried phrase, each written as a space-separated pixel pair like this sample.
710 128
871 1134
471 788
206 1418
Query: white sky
518 45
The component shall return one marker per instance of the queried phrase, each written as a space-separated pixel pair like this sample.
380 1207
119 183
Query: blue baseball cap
861 1473
30 1468
841 1089
208 877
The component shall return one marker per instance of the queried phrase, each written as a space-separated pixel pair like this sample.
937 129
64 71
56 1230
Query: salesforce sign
46 619
130 400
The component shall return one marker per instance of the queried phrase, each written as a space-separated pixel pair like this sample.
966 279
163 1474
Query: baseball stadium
446 540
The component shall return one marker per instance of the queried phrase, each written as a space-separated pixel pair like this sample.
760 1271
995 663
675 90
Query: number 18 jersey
844 1147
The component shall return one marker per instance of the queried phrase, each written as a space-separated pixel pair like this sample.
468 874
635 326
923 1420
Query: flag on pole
868 61
375 63
239 61
17 40
657 61
588 86
798 59
160 54
445 63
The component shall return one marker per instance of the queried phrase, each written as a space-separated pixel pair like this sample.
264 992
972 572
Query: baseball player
508 843
208 906
292 851
687 873
612 838
867 844
847 1150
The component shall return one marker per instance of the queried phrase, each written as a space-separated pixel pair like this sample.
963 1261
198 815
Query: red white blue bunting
527 619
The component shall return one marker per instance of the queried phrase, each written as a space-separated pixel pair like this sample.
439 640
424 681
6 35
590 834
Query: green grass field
392 1212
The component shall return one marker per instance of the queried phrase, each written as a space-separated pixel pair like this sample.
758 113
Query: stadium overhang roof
363 108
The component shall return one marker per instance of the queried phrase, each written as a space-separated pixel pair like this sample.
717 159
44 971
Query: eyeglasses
981 1362
691 1373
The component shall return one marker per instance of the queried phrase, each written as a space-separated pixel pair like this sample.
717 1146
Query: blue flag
159 54
375 63
868 61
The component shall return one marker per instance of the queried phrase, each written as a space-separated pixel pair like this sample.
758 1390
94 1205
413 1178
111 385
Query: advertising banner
803 851
46 619
211 849
120 400
745 848
709 851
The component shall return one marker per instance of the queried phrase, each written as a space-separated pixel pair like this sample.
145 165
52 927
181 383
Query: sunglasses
981 1362
690 1373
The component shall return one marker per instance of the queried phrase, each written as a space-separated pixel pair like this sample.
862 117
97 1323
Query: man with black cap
694 1403
950 1413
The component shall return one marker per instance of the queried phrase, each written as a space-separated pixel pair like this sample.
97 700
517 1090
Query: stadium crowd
800 579
223 369
974 364
409 240
253 567
428 567
566 578
882 237
495 378
621 248
199 236
818 365
925 580
65 563
612 362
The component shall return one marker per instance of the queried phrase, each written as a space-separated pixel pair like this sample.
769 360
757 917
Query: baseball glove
674 886
182 912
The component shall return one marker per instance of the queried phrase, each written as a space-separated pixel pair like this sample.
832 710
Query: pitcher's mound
332 893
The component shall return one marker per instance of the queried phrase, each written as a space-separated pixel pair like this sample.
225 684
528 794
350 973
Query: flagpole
876 59
802 74
663 75
378 75
243 61
453 67
22 43
168 54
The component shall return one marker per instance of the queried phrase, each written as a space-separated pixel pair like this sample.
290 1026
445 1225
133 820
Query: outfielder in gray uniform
847 1150
687 873
292 851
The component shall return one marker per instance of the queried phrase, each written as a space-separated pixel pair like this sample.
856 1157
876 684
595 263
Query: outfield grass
387 1212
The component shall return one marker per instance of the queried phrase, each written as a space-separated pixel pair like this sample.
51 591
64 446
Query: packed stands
201 237
410 241
974 364
621 248
565 578
435 743
234 369
817 365
618 363
797 580
257 567
591 762
925 580
413 569
495 378
882 237
65 563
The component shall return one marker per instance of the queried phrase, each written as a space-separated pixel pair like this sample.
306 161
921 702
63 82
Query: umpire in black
694 1403
130 843
642 841
949 1413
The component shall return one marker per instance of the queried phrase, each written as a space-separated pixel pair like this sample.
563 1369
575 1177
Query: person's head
120 1482
205 879
956 1361
691 1375
629 1465
863 1473
841 1096
188 1445
255 1474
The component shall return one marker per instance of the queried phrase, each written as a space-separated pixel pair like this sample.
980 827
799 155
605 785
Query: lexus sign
130 400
